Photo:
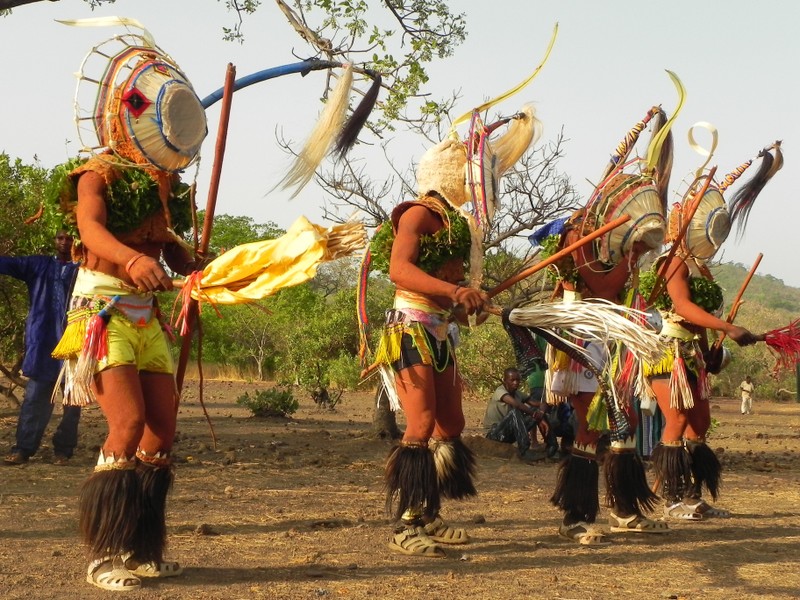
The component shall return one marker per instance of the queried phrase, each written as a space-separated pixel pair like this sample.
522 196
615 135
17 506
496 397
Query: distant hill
765 290
767 304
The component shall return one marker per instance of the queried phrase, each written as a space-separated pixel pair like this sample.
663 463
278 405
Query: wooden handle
208 219
558 255
737 302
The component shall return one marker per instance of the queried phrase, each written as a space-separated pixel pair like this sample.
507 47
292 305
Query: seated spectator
535 381
509 417
561 421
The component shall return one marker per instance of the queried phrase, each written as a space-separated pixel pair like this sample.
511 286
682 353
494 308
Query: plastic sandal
586 534
682 512
441 532
109 573
153 569
15 458
60 460
704 509
413 540
636 524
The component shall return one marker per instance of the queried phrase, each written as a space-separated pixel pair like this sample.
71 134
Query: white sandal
168 568
413 540
682 512
703 508
441 532
109 573
636 524
586 534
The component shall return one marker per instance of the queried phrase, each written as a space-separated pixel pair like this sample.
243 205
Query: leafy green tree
396 38
239 337
26 228
229 231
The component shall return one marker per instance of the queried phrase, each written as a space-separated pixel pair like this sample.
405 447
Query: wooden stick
738 300
222 134
661 278
558 255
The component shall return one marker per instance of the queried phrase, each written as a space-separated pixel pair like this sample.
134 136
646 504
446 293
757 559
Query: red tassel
184 298
361 307
680 394
785 345
624 382
703 384
95 344
629 372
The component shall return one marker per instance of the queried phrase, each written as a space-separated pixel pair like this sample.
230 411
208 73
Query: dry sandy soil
293 508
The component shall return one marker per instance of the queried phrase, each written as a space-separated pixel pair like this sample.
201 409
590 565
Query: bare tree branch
9 4
535 192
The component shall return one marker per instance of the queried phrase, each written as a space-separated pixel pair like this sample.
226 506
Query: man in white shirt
747 387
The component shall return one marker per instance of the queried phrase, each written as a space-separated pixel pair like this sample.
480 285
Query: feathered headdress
711 217
642 193
467 171
146 111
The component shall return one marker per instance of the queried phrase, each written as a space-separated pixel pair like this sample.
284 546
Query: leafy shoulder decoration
706 293
132 197
562 270
434 251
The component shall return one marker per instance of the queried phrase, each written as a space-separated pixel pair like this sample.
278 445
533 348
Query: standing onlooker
747 387
48 280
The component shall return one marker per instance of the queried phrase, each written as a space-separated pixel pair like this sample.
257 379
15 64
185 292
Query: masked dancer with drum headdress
148 126
433 243
128 202
690 304
602 270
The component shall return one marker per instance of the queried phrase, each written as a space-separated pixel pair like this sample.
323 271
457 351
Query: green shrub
344 372
484 353
270 403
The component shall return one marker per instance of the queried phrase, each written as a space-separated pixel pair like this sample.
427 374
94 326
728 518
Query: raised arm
677 275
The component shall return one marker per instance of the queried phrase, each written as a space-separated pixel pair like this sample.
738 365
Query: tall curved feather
330 122
515 89
654 149
663 167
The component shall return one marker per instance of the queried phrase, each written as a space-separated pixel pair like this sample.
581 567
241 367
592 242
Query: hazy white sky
606 70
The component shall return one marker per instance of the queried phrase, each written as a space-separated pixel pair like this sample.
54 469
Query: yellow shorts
144 346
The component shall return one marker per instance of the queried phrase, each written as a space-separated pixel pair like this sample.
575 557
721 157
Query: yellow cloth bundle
256 270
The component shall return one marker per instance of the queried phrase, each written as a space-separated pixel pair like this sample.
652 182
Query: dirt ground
293 508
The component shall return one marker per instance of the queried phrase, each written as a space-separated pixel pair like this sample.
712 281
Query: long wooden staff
737 302
222 134
661 278
558 255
